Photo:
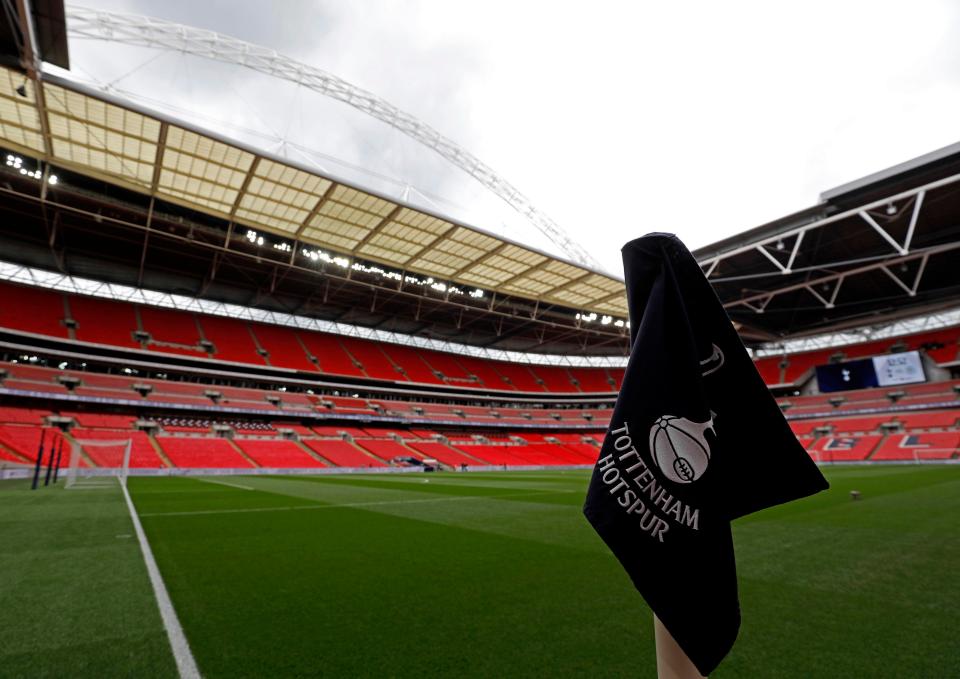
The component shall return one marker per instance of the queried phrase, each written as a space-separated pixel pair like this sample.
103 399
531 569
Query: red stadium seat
278 454
202 453
344 454
940 446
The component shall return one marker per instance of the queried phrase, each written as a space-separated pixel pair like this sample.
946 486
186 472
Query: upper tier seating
376 363
407 359
231 339
450 367
283 348
591 379
164 325
33 310
104 322
332 358
180 332
556 380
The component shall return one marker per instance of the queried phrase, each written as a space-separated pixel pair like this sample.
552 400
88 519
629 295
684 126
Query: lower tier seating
202 452
278 453
142 452
343 454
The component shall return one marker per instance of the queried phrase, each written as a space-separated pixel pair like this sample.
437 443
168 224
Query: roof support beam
377 229
916 254
569 284
30 60
316 208
917 204
435 241
482 260
796 249
539 266
610 298
776 262
868 218
910 290
243 187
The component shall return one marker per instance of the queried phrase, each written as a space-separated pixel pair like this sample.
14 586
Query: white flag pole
672 662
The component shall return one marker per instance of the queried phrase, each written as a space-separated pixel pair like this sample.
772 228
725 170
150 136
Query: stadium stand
844 448
103 322
202 452
344 454
282 347
388 449
280 454
33 310
142 452
903 424
231 340
928 446
164 325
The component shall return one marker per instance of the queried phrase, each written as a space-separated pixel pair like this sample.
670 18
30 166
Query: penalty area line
186 665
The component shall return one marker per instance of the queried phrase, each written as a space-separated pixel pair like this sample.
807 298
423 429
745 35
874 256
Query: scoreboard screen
879 371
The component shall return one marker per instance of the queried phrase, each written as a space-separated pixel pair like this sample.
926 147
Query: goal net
93 462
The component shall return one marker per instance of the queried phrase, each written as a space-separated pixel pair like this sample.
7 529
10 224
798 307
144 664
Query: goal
112 459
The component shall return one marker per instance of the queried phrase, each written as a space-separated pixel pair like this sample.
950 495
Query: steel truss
825 288
143 31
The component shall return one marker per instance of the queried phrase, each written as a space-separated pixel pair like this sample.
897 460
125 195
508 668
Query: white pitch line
378 503
186 665
224 483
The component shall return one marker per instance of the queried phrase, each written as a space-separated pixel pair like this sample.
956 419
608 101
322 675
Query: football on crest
679 447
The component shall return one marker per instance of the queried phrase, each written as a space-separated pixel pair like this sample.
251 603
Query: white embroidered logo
712 363
679 447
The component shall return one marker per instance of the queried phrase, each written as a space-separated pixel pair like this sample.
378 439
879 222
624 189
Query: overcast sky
614 118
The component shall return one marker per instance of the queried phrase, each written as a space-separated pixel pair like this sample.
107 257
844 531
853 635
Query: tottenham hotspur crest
679 448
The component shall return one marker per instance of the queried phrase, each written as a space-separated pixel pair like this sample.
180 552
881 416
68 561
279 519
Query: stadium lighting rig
16 163
592 317
318 255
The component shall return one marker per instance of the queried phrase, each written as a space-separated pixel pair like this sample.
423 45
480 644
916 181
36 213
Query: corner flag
696 440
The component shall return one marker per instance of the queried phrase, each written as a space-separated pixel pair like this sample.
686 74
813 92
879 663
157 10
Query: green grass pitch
487 575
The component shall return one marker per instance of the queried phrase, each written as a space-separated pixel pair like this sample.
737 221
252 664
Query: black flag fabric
696 440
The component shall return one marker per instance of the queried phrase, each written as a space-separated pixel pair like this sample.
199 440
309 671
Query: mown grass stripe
376 503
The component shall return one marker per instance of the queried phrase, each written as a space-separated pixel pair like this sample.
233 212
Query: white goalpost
111 456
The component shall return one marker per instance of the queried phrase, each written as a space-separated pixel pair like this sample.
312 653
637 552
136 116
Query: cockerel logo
679 447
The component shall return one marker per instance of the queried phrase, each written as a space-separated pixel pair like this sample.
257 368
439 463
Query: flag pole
672 662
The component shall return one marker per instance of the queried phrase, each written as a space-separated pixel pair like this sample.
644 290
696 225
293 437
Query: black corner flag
696 440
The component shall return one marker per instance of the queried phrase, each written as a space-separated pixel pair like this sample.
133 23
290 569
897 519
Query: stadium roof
874 250
88 132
